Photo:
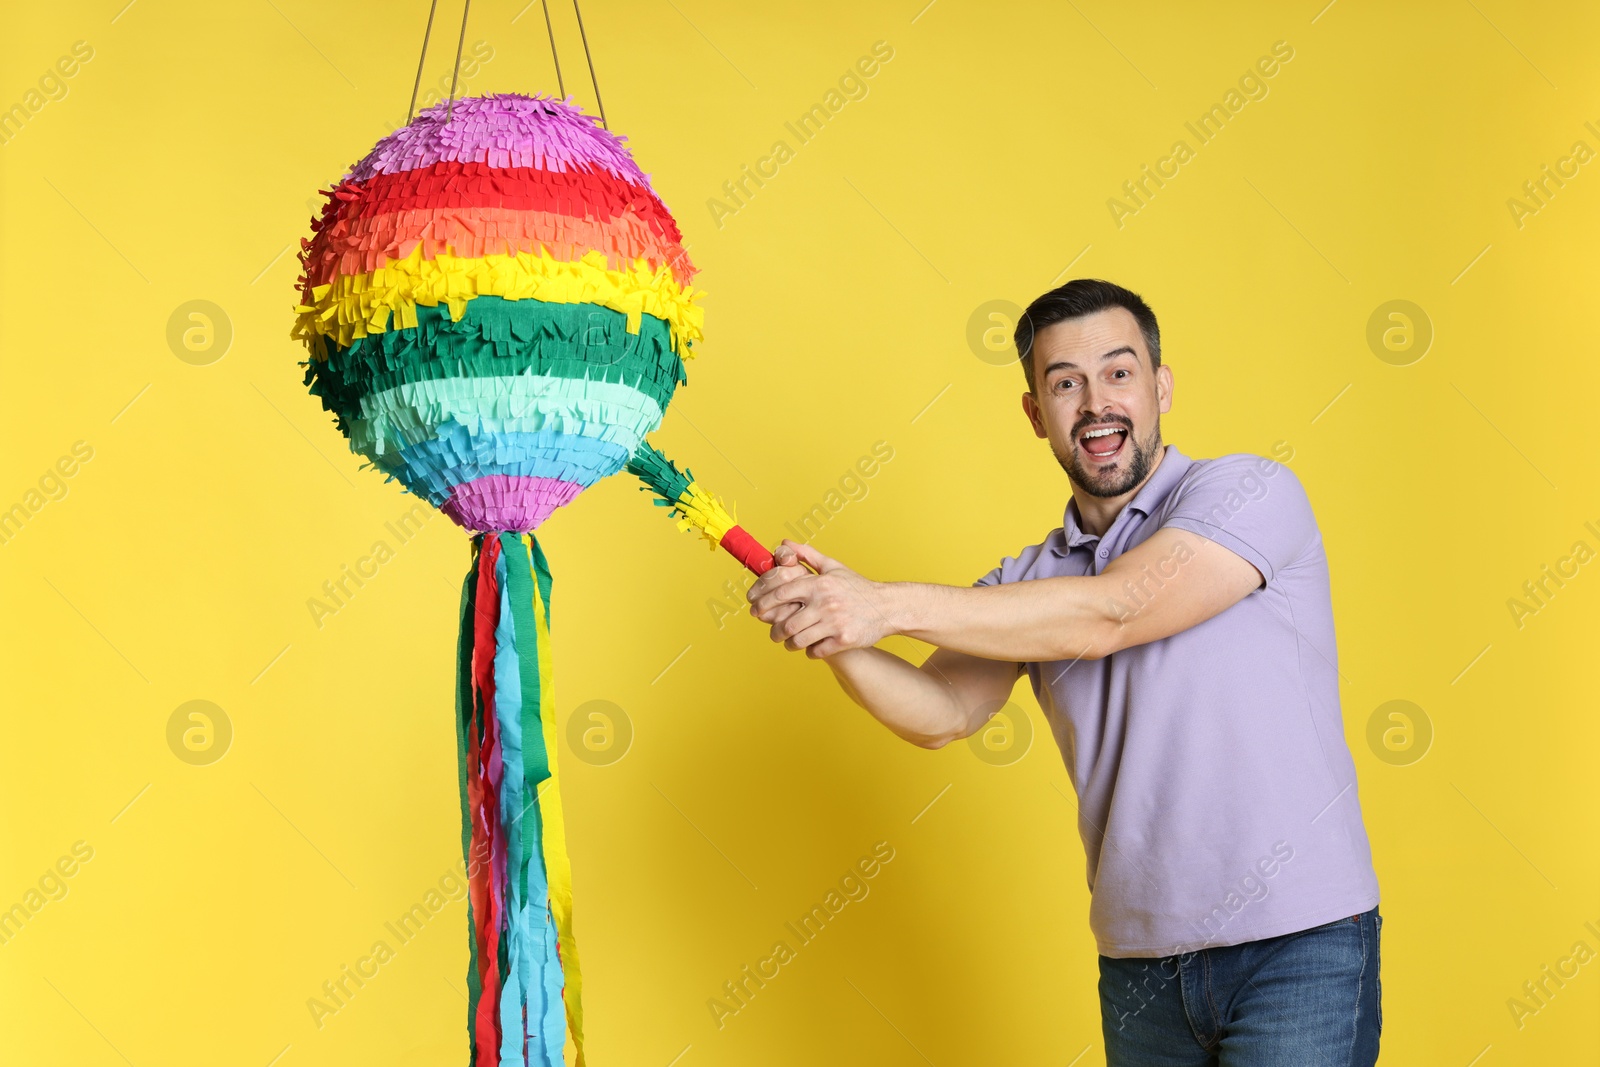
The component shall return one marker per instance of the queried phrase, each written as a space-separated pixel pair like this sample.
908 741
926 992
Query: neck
1097 513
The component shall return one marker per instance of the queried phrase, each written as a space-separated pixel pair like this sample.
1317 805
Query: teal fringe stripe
536 761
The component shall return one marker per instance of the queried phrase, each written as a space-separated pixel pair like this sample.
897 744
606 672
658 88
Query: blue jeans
1306 999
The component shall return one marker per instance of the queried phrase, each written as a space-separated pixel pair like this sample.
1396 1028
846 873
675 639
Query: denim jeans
1304 999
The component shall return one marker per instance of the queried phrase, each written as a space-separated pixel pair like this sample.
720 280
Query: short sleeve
1253 506
1024 565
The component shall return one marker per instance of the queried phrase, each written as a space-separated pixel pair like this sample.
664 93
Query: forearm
915 706
1041 620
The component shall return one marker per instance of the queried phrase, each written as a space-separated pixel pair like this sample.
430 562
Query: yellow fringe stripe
704 512
355 305
558 869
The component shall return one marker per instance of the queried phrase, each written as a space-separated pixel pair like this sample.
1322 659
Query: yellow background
178 565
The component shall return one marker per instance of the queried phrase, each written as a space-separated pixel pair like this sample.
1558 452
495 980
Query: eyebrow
1125 350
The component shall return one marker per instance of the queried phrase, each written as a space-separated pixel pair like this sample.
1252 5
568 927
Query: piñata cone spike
696 507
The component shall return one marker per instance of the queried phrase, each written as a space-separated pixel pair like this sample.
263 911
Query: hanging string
412 110
545 4
449 111
455 73
590 60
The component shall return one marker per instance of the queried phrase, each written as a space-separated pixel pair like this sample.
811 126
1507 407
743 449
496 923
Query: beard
1119 477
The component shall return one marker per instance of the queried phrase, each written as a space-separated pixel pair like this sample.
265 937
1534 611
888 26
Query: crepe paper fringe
355 305
524 982
539 438
677 490
507 502
437 468
705 513
474 233
503 130
659 474
697 508
415 411
580 193
476 211
498 338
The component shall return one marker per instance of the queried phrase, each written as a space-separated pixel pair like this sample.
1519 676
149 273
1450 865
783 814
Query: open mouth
1103 442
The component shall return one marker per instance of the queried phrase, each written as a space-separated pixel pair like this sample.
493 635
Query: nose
1092 406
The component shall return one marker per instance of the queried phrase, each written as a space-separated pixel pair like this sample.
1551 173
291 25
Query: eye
1121 370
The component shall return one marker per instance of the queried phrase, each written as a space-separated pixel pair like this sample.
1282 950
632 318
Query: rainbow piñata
497 308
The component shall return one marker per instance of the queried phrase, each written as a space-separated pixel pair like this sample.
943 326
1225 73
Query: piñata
497 308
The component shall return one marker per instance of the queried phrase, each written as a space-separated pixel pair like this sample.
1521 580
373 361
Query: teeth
1102 433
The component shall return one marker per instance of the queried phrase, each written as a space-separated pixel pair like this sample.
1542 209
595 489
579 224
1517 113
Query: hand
824 610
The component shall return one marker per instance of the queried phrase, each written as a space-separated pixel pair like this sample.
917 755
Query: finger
789 592
774 577
786 610
778 613
785 628
810 634
811 557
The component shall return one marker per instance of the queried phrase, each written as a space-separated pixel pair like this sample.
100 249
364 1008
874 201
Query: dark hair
1077 298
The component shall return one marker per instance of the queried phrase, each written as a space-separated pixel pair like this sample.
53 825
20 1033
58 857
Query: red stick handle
747 550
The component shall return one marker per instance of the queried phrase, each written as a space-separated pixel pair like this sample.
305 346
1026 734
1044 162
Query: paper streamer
525 987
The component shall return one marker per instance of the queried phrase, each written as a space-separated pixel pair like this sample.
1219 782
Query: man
1178 632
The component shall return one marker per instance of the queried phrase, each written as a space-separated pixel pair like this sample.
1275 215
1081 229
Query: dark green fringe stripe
659 474
498 337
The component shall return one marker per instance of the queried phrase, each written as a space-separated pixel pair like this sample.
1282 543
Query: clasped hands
818 604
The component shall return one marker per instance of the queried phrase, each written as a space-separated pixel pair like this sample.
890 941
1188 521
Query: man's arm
1174 580
949 697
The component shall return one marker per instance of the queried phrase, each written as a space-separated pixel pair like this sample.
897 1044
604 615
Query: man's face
1091 375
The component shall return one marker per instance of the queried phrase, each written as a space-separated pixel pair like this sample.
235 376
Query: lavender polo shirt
1216 795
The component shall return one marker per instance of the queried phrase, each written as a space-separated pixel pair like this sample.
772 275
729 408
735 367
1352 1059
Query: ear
1030 407
1164 387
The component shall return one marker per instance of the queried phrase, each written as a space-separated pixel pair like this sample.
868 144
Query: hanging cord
412 110
461 41
450 108
545 4
590 60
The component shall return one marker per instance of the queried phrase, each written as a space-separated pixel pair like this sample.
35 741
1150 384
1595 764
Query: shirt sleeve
1253 506
1021 566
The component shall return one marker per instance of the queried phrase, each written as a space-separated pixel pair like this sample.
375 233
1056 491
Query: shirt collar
1174 465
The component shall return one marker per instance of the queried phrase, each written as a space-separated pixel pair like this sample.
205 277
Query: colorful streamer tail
524 986
697 508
